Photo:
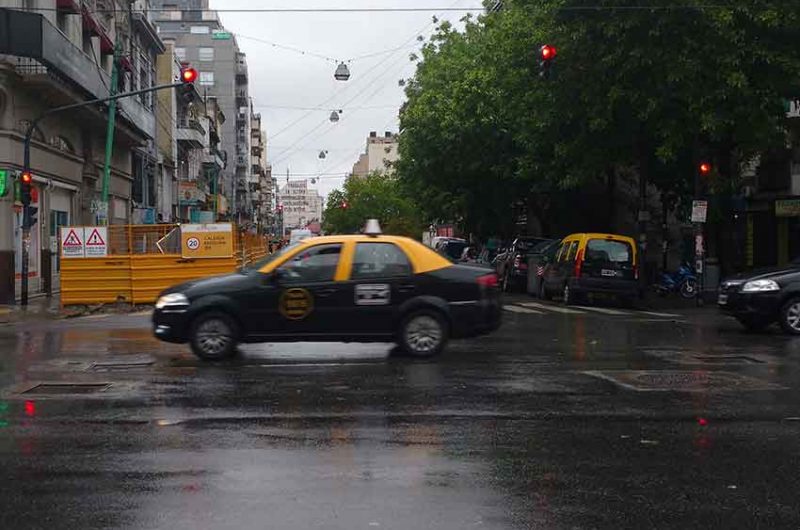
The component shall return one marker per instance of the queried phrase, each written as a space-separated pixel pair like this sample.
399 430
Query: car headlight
760 286
172 299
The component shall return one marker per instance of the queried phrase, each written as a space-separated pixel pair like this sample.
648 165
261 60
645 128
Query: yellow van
587 264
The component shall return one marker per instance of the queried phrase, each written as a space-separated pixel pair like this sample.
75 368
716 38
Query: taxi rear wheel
423 333
214 336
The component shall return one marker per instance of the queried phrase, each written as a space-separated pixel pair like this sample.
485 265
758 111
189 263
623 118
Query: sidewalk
39 308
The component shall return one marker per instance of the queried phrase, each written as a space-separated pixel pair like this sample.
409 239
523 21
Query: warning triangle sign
72 240
95 239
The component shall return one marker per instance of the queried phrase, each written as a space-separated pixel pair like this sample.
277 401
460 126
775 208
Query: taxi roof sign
373 228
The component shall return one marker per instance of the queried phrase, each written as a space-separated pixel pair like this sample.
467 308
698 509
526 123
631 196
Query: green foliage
374 196
634 91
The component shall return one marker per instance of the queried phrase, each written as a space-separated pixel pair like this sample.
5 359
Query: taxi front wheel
423 333
214 336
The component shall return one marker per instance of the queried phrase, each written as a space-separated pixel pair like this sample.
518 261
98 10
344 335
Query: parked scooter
683 281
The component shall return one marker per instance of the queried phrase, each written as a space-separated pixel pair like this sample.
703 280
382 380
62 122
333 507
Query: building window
207 78
199 30
172 15
180 53
206 54
209 15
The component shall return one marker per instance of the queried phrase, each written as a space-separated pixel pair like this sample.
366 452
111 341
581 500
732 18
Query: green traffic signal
3 182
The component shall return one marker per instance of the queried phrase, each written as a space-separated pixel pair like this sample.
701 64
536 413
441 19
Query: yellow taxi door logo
296 304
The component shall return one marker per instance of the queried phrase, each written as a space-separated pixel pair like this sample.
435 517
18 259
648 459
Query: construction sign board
96 243
72 242
211 240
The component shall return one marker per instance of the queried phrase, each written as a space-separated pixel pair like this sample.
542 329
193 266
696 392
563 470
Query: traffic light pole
26 230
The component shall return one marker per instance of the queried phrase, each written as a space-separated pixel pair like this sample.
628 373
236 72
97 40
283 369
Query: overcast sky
283 78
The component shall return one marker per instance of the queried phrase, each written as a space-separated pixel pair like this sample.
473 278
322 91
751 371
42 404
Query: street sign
72 242
787 208
95 245
699 211
213 240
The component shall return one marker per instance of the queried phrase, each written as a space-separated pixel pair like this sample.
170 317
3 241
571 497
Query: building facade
379 154
301 205
61 52
202 42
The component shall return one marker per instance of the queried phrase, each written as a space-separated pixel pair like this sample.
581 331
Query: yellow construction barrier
95 280
135 272
151 274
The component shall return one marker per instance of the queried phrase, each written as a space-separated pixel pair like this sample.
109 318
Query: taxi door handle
406 287
326 292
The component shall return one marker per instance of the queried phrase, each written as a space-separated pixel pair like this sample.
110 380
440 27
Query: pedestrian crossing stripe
553 308
652 313
604 310
516 309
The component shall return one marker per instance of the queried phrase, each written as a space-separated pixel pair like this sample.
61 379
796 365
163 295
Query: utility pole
102 210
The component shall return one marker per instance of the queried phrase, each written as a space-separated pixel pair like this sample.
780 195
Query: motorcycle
683 281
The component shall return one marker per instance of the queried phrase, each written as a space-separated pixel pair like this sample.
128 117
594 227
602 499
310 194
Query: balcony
214 157
241 71
190 131
48 59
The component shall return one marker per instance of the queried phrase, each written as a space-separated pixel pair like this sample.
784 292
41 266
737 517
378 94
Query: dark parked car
452 248
512 263
763 297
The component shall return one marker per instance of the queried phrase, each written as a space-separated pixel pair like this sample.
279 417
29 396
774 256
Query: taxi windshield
259 264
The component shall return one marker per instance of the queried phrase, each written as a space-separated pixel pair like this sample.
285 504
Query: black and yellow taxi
354 288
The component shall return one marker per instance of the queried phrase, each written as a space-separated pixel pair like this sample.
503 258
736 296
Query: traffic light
29 216
345 206
547 55
4 184
704 168
25 181
186 90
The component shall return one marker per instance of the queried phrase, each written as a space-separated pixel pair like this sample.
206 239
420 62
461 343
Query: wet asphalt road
587 419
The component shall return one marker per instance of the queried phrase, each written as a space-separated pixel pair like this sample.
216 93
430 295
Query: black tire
214 336
423 333
790 316
754 325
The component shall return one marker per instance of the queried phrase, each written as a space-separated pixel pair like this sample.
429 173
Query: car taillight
578 263
488 280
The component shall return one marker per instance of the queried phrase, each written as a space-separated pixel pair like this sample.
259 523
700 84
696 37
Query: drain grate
685 357
683 381
120 365
67 388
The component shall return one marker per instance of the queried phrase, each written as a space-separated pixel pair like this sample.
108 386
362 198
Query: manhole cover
67 388
120 365
683 381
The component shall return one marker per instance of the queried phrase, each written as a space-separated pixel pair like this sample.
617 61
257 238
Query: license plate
723 299
608 272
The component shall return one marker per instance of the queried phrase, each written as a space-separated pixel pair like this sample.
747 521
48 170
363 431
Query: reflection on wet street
559 420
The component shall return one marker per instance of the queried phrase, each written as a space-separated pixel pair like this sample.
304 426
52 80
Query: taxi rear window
608 251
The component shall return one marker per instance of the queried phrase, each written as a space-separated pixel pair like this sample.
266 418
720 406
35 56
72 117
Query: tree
638 92
374 196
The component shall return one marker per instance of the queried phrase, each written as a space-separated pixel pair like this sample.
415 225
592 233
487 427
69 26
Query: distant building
301 205
379 154
202 42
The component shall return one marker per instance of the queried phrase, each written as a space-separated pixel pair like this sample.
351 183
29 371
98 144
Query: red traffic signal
344 205
189 75
26 177
547 52
705 168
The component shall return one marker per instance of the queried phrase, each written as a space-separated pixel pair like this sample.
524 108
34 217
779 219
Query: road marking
554 308
515 309
605 310
652 313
